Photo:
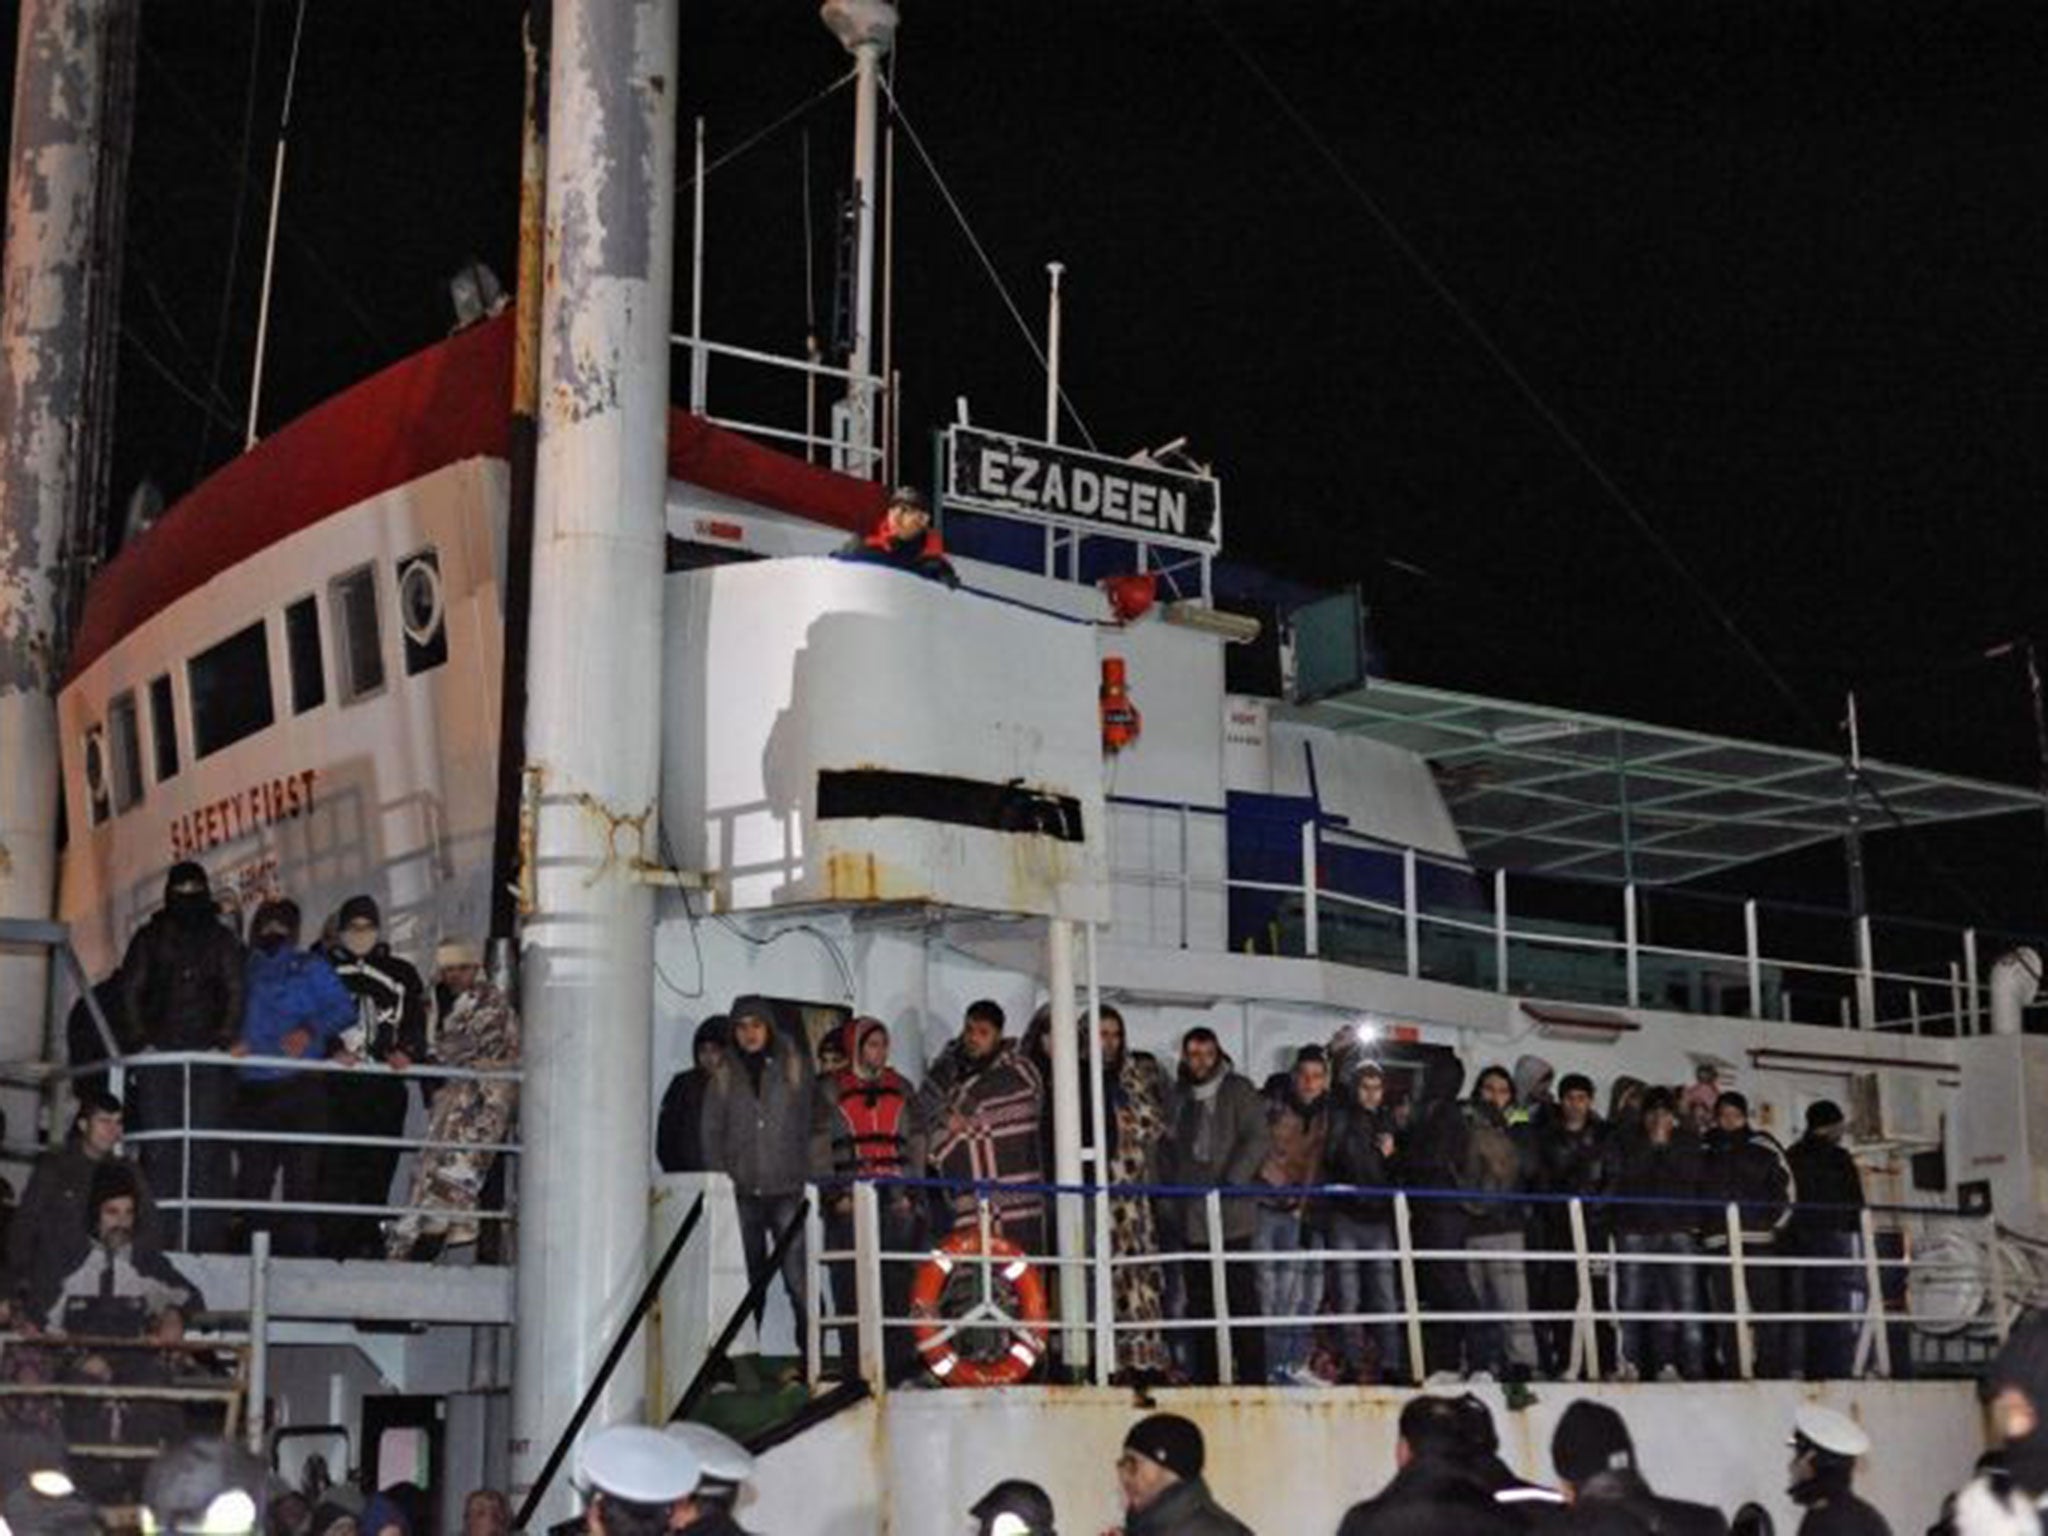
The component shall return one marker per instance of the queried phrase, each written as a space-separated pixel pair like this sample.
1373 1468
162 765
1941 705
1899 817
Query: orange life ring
1025 1327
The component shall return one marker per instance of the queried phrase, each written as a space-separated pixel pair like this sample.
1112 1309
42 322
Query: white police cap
637 1464
719 1456
1827 1430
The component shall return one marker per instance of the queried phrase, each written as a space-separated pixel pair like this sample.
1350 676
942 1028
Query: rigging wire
1575 446
988 266
684 183
227 281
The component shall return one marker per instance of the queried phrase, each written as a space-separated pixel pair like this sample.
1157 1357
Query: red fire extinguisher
1120 720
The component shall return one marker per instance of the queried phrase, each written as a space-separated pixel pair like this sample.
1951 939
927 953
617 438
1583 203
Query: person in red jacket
905 539
869 1125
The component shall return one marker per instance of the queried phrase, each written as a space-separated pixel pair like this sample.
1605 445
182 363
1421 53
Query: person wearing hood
1826 1226
1219 1141
866 1105
1160 1472
297 1007
1655 1179
469 1115
1595 1458
757 1131
181 990
1825 1449
1534 1101
679 1134
1625 1106
1360 1156
1745 1167
904 540
390 1027
1297 1130
1497 1162
1433 1162
979 1108
1437 1485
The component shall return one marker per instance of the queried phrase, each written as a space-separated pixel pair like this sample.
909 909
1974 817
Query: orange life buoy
1024 1329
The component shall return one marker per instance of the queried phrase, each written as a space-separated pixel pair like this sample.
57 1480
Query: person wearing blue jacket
294 1006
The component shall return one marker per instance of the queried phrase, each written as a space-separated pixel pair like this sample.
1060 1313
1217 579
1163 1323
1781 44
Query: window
422 613
360 649
230 687
302 647
124 734
96 796
163 728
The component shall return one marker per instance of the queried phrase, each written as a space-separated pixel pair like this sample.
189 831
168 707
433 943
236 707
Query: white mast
866 28
594 716
63 50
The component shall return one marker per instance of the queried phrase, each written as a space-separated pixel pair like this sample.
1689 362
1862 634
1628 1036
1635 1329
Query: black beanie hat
1822 1113
1172 1441
1590 1438
112 1179
359 909
1659 1098
185 873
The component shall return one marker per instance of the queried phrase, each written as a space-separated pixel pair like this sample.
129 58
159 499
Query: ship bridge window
163 727
359 637
230 687
98 798
124 758
854 793
302 650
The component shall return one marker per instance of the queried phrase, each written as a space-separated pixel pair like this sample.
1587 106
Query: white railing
178 1202
1487 944
833 445
1602 1325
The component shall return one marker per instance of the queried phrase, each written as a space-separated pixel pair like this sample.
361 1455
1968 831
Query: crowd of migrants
1450 1476
85 1272
1311 1159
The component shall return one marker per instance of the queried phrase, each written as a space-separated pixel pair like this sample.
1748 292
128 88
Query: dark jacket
1353 1157
1219 1139
1187 1508
1641 1171
679 1134
181 986
757 1126
390 999
1567 1162
1495 1164
1665 1517
1829 1185
1429 1496
1843 1514
1434 1155
925 556
55 1205
1747 1168
1296 1136
291 989
79 1267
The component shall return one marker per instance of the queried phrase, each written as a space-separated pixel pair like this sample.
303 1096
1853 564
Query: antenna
284 128
865 28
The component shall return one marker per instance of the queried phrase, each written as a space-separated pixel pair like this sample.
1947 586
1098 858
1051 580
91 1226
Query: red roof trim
437 407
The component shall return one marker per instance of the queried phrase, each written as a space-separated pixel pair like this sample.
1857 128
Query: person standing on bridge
904 540
182 990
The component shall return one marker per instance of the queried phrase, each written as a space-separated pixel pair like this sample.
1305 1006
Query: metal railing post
1752 947
1955 999
185 1162
2001 1303
1873 1306
1585 1336
814 1285
1411 1303
1970 982
868 1294
1100 1252
1411 916
1310 917
1500 930
255 1418
1866 980
1631 961
1738 1293
1219 1289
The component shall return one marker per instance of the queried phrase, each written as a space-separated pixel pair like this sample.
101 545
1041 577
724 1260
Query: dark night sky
1777 265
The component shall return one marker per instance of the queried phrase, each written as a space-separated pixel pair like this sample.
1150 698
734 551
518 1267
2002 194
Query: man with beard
391 1028
979 1109
679 1134
1219 1140
1297 1129
181 990
297 1008
55 1203
1825 1447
